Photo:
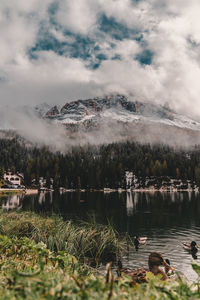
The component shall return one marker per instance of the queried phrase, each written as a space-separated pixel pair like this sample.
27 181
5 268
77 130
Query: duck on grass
157 265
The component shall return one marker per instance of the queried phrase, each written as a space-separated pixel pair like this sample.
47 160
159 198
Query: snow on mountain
100 120
115 108
42 109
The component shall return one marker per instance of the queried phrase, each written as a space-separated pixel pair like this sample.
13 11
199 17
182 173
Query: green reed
88 241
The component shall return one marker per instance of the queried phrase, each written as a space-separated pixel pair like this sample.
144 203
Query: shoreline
105 191
18 191
120 190
31 191
11 191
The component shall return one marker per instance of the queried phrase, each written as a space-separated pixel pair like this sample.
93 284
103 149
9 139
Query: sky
56 51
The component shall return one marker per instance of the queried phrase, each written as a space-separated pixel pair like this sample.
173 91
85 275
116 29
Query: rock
52 112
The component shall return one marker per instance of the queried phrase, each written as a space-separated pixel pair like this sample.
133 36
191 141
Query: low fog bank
110 132
57 137
32 128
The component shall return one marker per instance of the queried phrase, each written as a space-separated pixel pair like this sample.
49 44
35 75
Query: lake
167 219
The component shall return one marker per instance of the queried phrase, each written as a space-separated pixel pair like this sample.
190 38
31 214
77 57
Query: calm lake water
167 219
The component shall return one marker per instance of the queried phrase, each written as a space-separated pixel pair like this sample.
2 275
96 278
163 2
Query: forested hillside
98 167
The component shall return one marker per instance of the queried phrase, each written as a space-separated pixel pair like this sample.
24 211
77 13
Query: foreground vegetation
28 270
47 258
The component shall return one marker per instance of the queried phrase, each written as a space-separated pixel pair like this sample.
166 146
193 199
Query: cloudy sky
59 50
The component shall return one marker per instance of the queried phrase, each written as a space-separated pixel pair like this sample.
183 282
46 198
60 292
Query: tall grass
90 242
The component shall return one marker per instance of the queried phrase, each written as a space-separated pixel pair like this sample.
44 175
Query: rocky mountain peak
117 109
98 104
54 111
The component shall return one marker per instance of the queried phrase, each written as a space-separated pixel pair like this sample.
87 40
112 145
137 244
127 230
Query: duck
157 265
139 241
137 275
168 269
193 247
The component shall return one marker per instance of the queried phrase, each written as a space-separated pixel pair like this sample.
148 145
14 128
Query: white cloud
19 25
132 15
51 78
170 29
78 16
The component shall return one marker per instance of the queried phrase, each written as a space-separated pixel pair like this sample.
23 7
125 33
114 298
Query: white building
129 179
13 178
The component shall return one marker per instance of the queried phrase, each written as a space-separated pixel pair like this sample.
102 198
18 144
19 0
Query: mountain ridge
116 108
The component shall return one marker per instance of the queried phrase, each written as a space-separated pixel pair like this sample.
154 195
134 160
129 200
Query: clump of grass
90 241
30 271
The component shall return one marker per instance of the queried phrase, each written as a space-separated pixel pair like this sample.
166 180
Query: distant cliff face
100 105
115 109
108 119
93 106
54 111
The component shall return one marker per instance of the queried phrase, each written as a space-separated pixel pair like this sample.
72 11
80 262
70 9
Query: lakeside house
16 179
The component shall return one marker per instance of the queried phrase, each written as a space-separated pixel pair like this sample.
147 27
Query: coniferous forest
98 166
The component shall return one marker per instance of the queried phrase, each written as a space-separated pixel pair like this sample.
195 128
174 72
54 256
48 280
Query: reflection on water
42 197
167 219
129 204
12 202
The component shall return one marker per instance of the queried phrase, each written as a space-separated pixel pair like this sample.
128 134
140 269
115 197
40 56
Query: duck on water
192 248
138 241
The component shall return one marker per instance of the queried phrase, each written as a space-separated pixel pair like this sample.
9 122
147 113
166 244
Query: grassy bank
88 242
31 271
10 192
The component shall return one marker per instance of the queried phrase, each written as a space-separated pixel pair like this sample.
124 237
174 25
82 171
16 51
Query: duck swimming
139 241
191 246
157 265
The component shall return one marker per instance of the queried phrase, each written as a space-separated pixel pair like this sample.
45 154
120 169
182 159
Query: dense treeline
98 166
